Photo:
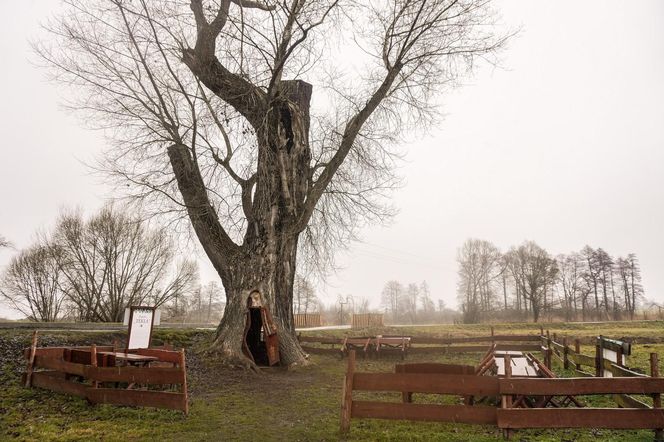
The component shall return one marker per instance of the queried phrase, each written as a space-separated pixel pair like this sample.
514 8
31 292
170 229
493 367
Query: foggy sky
562 145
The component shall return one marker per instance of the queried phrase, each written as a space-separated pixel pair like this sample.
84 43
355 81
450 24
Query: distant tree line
92 269
412 303
527 282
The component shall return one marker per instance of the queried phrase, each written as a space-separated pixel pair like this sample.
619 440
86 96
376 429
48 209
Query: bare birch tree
209 108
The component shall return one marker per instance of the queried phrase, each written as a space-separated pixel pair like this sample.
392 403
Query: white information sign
141 320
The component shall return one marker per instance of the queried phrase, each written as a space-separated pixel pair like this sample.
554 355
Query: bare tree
30 284
410 301
534 272
571 282
629 273
112 261
208 109
392 298
479 268
304 295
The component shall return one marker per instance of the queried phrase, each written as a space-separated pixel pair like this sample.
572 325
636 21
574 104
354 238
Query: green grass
298 405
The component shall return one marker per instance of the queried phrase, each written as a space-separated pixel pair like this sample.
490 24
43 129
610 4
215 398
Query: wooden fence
428 345
364 320
90 372
597 365
507 388
304 320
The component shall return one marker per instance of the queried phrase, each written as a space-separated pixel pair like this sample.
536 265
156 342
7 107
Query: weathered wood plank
321 350
619 371
139 375
54 381
163 355
627 401
57 352
579 386
473 339
137 398
433 383
60 365
432 368
517 347
424 412
319 339
610 418
582 359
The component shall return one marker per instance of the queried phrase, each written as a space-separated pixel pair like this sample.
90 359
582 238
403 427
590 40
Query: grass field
298 405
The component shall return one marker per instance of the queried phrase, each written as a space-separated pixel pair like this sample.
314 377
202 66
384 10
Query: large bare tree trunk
266 260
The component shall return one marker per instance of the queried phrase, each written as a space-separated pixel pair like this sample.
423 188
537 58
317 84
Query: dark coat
269 335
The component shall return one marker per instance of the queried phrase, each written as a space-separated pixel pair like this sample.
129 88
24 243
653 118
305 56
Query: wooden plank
319 339
137 398
321 350
433 383
53 380
139 375
60 365
619 371
584 373
580 386
518 347
347 393
627 401
557 345
31 360
474 339
610 418
163 355
431 368
424 412
57 352
582 359
85 357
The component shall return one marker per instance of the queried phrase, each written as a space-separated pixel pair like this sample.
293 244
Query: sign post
141 321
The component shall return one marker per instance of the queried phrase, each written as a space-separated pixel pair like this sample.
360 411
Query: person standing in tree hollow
261 343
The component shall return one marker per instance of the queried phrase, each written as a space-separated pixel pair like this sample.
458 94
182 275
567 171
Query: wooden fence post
183 367
93 362
565 354
656 398
620 357
347 393
598 360
555 337
506 401
31 360
547 359
577 350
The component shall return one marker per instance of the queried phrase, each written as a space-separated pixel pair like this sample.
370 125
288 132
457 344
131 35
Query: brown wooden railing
451 380
90 372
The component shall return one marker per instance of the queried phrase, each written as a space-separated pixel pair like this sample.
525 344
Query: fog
561 144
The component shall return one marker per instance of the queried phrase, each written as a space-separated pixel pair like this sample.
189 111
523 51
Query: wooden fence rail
91 379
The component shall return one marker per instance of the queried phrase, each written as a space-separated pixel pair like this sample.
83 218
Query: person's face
255 299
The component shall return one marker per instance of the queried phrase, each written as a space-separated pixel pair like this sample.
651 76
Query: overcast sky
563 146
